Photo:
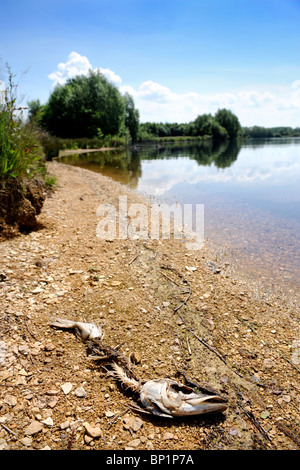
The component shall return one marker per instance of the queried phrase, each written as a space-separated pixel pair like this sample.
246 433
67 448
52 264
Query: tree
202 125
131 117
35 113
229 121
83 106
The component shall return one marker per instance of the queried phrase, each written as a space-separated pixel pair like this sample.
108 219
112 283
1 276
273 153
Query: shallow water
250 194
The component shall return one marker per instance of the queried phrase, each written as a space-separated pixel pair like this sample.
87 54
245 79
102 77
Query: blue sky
178 58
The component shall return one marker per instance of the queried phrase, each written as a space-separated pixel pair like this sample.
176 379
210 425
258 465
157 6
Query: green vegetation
20 152
224 125
90 112
258 132
87 107
23 175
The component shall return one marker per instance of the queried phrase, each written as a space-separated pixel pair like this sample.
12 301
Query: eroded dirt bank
230 336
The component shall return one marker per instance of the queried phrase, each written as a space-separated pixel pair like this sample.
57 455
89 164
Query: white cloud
77 64
110 75
158 103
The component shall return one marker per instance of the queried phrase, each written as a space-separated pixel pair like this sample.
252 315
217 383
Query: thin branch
133 259
8 430
185 281
255 422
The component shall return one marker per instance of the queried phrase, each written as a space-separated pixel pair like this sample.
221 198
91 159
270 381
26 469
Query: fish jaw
167 398
85 331
201 406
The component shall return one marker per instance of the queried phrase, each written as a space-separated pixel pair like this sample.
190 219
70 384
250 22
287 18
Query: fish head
167 398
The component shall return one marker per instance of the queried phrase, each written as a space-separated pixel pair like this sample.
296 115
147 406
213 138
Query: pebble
10 400
93 431
168 435
26 441
132 423
66 387
33 428
48 421
80 392
88 439
65 425
37 290
134 443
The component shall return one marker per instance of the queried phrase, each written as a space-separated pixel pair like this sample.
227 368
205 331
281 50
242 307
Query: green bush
21 155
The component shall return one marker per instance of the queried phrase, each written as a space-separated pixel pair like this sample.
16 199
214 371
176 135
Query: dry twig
255 422
185 281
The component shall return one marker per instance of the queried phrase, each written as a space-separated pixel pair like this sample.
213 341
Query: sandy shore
242 342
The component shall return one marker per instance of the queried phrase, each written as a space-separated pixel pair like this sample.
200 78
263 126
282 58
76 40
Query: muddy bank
176 311
20 204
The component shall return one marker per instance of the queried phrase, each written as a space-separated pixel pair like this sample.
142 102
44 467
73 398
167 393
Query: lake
250 192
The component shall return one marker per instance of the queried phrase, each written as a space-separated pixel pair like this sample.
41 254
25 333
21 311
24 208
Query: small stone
168 435
23 349
93 431
132 423
265 414
10 400
109 414
37 290
65 425
134 443
5 374
67 387
33 428
88 439
26 441
52 402
80 392
75 424
48 421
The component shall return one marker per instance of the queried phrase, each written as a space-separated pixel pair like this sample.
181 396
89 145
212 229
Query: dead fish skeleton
85 331
168 398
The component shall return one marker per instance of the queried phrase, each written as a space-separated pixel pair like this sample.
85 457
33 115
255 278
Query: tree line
223 125
91 107
257 132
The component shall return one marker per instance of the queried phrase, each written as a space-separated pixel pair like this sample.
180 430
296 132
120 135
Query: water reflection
127 166
250 192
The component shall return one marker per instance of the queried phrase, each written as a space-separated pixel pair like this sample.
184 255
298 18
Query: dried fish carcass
168 398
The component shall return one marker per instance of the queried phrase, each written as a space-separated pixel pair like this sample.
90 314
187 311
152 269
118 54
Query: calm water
251 196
